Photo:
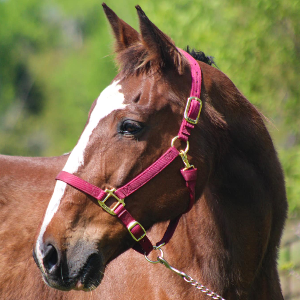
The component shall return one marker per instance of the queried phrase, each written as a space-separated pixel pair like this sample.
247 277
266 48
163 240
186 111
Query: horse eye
130 127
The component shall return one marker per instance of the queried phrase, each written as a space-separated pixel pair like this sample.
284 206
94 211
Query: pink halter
136 230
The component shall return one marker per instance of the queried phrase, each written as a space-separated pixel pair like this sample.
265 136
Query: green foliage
56 57
290 159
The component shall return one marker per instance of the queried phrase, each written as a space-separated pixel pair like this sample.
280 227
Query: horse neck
220 248
186 249
229 235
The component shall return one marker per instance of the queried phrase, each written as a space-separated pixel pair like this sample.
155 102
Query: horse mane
200 56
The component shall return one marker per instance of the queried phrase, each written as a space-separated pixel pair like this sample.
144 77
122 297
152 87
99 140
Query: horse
228 212
26 183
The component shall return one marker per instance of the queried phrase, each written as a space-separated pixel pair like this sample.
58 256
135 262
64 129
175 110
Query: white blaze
109 100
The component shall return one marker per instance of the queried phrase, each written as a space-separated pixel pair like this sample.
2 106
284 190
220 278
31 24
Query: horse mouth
91 275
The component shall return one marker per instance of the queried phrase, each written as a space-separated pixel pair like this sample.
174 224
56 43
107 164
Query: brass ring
187 144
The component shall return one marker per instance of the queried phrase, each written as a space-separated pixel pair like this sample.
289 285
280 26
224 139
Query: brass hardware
159 246
183 154
185 160
186 111
131 225
187 144
111 194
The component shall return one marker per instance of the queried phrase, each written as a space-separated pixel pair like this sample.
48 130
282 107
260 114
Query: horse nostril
50 259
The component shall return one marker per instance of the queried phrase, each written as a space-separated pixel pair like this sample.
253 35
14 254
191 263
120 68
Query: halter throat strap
136 230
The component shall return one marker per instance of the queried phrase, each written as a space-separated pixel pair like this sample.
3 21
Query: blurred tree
23 33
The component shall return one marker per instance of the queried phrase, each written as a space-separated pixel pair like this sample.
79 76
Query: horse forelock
137 59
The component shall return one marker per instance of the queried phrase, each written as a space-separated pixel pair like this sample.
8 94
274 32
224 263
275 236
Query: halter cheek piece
189 173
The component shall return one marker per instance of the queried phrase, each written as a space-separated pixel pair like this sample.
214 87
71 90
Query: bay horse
230 237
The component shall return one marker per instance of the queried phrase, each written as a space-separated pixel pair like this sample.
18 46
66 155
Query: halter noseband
189 173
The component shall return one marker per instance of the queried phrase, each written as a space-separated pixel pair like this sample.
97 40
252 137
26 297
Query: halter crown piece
189 173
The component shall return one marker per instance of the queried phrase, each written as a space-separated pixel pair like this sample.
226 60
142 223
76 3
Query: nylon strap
186 127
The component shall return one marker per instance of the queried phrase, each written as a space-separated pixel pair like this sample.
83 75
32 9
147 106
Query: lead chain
187 278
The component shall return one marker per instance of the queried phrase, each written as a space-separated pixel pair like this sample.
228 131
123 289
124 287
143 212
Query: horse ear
159 46
125 35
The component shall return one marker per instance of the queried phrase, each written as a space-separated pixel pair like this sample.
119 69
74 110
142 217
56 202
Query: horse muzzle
79 270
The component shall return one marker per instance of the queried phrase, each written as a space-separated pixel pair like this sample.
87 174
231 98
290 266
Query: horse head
127 169
130 125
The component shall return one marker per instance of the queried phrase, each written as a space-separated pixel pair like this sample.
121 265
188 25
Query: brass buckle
131 225
110 194
186 111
